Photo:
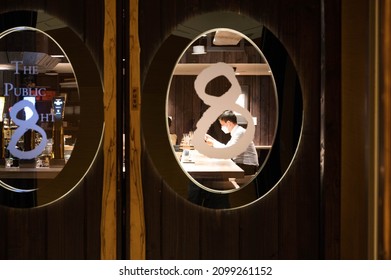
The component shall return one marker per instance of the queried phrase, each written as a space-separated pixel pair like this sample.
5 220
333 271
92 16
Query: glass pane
222 111
50 133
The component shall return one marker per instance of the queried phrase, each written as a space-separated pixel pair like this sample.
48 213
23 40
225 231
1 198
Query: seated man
248 160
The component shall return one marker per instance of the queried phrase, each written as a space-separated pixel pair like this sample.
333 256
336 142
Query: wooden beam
385 238
137 223
109 213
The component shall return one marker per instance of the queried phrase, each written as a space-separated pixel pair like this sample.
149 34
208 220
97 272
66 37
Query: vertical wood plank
292 212
152 190
180 231
331 99
109 224
253 236
69 227
137 224
219 234
385 234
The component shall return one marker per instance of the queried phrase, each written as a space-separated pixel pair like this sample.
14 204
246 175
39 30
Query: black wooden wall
70 227
299 219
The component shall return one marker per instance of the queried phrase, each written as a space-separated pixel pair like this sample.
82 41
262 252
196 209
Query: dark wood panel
9 5
24 231
186 108
287 221
384 233
180 227
152 188
67 227
258 227
285 224
331 126
219 234
70 227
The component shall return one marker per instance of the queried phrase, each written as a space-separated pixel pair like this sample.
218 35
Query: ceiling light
199 49
226 38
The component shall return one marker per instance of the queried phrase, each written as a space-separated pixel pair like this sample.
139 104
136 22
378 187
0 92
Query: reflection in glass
40 116
222 102
47 109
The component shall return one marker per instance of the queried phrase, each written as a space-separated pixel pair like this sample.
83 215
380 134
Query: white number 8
25 125
218 104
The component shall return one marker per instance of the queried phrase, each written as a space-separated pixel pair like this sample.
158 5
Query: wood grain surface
109 197
137 223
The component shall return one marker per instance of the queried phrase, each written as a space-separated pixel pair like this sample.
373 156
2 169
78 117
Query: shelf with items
41 89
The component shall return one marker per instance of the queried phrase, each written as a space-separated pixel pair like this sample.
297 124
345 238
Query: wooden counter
29 173
203 167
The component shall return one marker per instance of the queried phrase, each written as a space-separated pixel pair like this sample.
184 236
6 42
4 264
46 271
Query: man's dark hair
228 115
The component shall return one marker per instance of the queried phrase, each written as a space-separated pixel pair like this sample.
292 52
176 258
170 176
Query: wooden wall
384 233
186 107
70 227
299 219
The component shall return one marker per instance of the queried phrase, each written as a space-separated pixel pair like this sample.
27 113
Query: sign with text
34 108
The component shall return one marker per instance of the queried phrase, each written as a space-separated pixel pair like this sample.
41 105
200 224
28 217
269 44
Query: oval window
222 111
45 117
205 86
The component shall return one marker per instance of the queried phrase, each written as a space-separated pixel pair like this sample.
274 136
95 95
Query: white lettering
40 90
8 87
30 70
45 117
25 91
16 62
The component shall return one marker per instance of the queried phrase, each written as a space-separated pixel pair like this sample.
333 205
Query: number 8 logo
219 104
25 125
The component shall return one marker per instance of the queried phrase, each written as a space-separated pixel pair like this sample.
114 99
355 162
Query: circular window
222 110
50 133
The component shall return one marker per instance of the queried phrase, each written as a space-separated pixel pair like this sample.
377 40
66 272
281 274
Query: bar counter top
29 173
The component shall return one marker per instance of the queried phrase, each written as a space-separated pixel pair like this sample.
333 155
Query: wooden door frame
122 228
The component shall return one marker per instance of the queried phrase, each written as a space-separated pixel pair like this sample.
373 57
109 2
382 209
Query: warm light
7 67
200 49
2 103
241 101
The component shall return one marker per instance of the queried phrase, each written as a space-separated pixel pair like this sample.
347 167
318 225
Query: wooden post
137 223
109 213
385 235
